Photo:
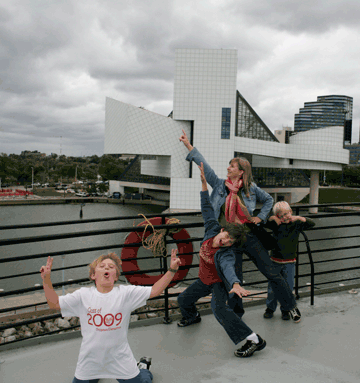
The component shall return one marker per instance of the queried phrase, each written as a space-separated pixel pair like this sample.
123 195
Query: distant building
283 135
222 125
354 150
35 153
326 111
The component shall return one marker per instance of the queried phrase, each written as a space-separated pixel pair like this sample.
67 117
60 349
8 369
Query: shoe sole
297 321
196 321
258 349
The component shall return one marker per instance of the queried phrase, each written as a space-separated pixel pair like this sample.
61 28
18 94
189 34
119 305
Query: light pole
76 173
32 178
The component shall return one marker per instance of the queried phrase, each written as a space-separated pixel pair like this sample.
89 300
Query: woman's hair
244 164
111 256
281 206
236 231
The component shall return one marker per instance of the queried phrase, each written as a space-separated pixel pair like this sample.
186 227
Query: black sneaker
285 315
268 313
144 363
295 314
185 322
250 347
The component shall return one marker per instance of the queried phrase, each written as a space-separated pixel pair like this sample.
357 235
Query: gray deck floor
323 347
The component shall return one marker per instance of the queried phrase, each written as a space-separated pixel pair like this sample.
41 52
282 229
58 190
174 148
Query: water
13 215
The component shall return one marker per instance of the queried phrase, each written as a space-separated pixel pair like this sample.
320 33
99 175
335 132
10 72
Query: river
12 215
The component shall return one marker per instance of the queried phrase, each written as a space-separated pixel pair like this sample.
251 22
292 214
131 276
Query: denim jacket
224 255
219 192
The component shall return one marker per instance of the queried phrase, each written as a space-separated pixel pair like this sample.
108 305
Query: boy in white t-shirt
104 313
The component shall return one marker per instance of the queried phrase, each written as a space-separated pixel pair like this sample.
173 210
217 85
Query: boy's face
285 216
224 239
105 273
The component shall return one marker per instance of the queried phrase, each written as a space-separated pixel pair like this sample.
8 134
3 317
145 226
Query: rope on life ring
185 251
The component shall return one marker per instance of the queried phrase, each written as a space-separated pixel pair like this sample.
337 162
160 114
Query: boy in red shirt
218 239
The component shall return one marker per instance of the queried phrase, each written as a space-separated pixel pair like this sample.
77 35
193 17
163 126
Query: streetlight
32 178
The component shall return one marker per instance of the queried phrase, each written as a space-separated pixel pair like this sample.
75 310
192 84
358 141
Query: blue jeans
288 272
254 249
227 311
145 376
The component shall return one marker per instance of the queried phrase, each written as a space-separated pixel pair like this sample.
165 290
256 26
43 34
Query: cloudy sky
60 59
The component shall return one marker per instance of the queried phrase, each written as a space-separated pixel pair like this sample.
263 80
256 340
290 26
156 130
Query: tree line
52 169
18 168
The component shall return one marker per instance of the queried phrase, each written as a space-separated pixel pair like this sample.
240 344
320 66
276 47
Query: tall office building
326 111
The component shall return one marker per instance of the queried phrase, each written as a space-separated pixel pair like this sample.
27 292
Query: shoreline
35 200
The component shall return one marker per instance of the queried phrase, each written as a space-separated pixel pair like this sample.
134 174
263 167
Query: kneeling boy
104 312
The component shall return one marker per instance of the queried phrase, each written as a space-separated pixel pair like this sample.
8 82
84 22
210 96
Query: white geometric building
220 123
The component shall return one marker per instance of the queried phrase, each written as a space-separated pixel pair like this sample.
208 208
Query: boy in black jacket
286 229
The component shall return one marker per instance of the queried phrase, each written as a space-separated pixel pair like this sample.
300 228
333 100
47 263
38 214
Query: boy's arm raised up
163 283
50 294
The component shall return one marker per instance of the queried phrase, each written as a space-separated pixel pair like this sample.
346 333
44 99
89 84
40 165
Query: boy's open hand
175 262
46 270
238 290
202 173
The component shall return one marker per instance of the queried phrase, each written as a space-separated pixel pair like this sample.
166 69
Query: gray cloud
60 60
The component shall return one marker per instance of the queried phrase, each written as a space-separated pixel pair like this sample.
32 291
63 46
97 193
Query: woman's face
233 170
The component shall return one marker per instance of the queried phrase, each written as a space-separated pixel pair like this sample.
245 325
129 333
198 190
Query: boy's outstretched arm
50 294
163 283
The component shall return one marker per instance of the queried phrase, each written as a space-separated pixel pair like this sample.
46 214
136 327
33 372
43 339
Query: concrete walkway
323 347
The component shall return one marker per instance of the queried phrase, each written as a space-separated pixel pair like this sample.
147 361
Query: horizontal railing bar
91 249
338 280
16 308
332 238
94 220
79 266
331 260
331 249
122 218
330 271
331 215
37 272
77 281
52 237
333 227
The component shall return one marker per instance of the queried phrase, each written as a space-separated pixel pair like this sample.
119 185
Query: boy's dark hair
236 231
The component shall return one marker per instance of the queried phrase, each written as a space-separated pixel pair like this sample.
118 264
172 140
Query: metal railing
309 264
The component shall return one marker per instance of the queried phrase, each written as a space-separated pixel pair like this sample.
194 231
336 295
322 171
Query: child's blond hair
281 206
98 260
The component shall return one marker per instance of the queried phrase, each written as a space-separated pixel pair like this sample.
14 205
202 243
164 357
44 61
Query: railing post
63 273
167 319
312 269
297 296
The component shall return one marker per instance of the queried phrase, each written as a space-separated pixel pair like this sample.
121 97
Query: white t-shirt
104 319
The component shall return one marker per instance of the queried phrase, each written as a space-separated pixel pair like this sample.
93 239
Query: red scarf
235 211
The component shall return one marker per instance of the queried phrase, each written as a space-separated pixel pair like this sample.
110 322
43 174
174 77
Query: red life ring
131 252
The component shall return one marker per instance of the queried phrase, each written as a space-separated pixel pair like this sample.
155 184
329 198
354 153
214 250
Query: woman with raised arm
234 200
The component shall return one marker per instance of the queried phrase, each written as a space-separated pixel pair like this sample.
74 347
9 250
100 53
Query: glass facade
354 153
249 124
326 111
225 123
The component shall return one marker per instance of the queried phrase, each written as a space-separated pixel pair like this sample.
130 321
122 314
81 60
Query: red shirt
207 269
